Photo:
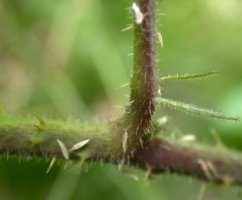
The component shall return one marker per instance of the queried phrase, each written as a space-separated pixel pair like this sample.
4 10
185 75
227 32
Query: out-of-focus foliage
68 58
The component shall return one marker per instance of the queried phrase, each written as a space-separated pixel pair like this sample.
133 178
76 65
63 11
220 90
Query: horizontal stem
211 164
38 138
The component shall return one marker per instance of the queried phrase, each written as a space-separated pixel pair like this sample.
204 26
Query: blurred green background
68 59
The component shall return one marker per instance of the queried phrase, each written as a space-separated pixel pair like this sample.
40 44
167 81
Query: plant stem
204 162
55 138
143 84
28 137
24 137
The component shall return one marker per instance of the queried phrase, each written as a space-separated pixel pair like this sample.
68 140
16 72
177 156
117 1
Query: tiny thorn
118 107
52 162
127 28
63 149
41 122
188 138
162 14
139 17
212 169
125 141
79 145
147 174
201 192
163 121
189 76
130 174
121 164
141 143
159 92
124 85
217 139
205 169
160 39
194 110
81 162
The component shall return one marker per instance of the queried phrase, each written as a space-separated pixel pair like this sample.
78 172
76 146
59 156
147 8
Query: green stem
30 136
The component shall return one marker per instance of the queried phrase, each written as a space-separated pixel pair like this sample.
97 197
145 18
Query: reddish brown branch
160 155
143 84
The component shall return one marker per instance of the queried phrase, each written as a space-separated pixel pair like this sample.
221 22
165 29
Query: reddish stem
160 155
143 84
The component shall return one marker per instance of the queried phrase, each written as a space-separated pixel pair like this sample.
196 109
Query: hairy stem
62 139
27 137
34 137
204 162
143 84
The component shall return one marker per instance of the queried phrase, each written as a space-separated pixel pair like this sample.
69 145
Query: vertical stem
143 84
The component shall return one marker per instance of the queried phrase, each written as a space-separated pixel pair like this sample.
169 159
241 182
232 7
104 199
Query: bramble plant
131 140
